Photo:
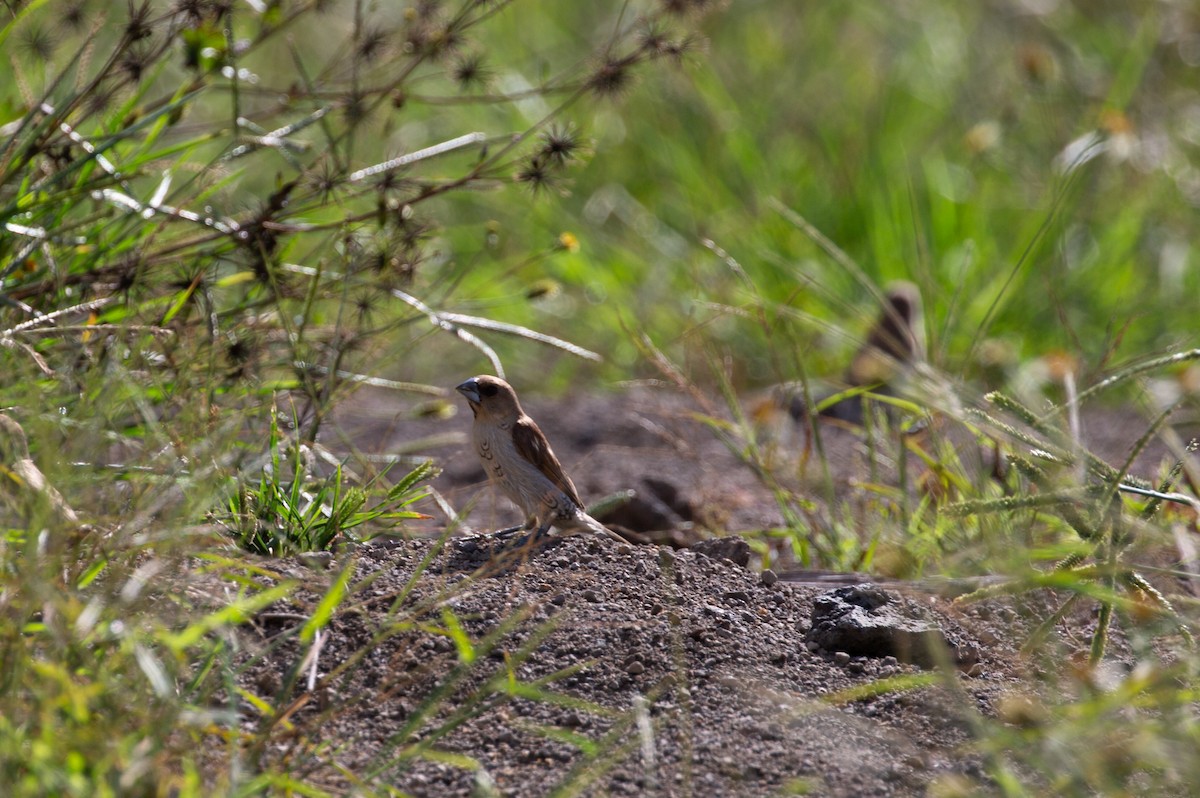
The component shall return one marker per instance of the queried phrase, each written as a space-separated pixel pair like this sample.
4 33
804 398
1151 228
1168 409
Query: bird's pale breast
522 482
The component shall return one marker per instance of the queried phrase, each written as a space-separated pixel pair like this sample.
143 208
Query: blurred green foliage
927 140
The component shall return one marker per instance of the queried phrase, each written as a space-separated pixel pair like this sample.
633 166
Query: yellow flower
569 242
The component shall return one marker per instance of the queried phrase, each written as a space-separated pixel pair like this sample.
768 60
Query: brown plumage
894 342
518 458
894 345
23 487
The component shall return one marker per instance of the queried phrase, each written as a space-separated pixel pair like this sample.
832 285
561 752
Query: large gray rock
867 620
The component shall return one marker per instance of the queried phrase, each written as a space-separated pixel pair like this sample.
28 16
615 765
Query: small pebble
841 658
635 668
769 577
317 560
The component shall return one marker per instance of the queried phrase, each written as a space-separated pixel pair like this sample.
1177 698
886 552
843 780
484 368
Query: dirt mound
637 670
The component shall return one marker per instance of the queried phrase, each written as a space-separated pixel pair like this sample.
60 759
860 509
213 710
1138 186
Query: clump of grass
291 509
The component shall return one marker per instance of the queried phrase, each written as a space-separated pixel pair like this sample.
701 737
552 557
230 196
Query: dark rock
733 549
866 620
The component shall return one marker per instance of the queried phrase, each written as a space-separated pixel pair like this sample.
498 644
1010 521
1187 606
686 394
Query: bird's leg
534 539
527 543
508 532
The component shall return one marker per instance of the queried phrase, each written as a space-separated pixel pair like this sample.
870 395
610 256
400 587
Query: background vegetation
206 244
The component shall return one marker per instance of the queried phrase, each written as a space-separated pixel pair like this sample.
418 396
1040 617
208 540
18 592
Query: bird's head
491 398
900 331
905 301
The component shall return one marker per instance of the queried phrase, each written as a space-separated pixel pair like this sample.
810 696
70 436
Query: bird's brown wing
871 366
533 446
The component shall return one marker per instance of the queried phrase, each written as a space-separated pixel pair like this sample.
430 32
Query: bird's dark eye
488 389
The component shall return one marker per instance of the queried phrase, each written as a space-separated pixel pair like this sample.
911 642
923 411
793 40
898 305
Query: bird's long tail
586 522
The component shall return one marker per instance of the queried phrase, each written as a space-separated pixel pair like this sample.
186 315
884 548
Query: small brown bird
23 487
895 343
516 455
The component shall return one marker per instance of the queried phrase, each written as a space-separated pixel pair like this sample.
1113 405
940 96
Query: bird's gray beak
469 389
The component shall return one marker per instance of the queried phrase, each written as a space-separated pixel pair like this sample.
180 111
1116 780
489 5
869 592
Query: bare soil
666 671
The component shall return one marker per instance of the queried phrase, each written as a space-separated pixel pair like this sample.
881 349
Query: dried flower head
654 38
38 43
354 107
73 15
133 62
613 77
469 71
324 180
446 40
561 143
366 302
239 351
412 232
197 11
428 32
100 99
371 43
538 174
138 26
